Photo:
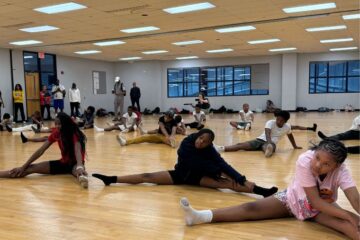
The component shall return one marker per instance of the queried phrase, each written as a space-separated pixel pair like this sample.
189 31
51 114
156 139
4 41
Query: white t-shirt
356 124
58 95
130 120
276 132
74 95
199 117
248 116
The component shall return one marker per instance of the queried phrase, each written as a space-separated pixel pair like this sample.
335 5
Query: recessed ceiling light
188 42
343 49
351 16
337 40
326 28
130 58
189 8
282 49
235 29
140 29
264 41
87 52
27 57
39 29
188 57
312 7
220 50
26 42
155 52
108 43
60 8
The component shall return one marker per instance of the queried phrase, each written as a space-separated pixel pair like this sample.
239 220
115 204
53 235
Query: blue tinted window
337 84
354 68
353 84
337 69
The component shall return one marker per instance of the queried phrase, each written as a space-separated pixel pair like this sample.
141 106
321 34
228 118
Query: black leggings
19 106
348 135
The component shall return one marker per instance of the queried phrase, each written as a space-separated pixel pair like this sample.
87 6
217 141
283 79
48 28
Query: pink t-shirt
296 196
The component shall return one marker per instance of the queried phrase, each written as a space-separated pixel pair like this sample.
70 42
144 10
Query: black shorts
57 167
180 178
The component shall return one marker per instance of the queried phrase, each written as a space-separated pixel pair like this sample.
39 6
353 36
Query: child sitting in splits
246 119
127 122
200 118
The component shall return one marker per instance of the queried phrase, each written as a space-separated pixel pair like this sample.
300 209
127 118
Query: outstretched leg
42 168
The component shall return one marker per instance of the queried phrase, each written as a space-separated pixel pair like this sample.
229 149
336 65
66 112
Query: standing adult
45 100
74 98
18 95
2 105
119 91
135 95
58 90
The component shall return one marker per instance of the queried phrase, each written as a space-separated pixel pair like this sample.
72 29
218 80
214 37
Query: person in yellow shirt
18 96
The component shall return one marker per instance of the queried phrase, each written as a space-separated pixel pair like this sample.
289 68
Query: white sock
219 148
193 216
98 129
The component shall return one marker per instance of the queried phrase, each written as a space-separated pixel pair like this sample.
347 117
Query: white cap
117 79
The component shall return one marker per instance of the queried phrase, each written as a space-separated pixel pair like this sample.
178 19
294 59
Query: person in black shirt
198 164
165 133
135 95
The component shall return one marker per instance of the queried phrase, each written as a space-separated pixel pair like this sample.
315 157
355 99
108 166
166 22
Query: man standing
58 90
119 91
135 96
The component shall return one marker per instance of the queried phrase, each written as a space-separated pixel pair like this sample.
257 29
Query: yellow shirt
18 96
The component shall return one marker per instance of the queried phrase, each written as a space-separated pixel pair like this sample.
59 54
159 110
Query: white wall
5 81
79 71
289 91
330 100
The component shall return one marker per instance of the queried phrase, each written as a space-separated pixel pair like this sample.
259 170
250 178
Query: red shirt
56 137
45 98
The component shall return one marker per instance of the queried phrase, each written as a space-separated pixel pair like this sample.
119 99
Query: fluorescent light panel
88 52
189 8
312 7
264 41
235 29
337 40
188 42
130 58
343 49
188 57
220 50
26 42
39 29
326 28
282 49
140 29
108 43
351 16
155 52
60 8
27 57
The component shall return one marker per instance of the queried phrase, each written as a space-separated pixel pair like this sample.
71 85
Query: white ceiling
102 20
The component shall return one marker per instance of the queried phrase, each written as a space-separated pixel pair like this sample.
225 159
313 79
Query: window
214 81
334 77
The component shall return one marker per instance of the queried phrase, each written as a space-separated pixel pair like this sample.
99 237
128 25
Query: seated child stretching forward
274 130
198 164
127 123
200 118
246 118
311 195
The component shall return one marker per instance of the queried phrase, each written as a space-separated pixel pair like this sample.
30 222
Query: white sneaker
248 126
219 148
142 131
84 181
240 127
98 129
269 150
126 130
121 140
135 127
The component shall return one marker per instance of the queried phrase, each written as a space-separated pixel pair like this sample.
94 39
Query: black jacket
135 93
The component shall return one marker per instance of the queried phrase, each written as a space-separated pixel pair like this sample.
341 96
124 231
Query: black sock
8 128
264 191
314 127
354 149
106 179
321 135
23 138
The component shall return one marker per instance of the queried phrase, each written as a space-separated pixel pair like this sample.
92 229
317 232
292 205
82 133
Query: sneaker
8 128
121 140
98 129
35 129
126 130
172 143
122 127
248 126
219 148
84 181
23 138
135 127
240 127
269 150
314 127
320 134
142 131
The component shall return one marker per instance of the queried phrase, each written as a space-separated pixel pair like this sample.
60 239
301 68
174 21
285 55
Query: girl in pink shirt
311 195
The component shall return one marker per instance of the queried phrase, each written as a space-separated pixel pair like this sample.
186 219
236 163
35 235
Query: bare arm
80 169
292 140
352 194
242 116
252 117
268 135
173 132
37 154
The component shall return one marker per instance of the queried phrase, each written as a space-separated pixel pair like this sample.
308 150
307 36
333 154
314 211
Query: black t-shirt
168 125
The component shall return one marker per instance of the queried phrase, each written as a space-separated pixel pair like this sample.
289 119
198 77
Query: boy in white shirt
246 118
127 123
274 130
352 134
200 118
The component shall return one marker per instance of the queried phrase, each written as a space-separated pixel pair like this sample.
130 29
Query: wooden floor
55 207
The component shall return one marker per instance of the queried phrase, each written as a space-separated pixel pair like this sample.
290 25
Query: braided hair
334 147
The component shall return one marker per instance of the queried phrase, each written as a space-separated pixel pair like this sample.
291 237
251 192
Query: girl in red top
71 142
45 100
